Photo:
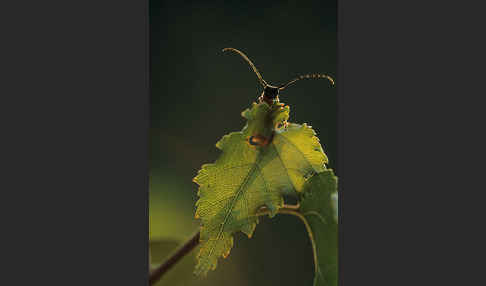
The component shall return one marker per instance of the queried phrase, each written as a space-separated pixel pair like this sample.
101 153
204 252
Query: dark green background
197 96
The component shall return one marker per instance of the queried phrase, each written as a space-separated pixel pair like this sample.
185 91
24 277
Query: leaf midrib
234 200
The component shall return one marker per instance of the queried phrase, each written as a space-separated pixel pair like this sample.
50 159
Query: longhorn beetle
270 93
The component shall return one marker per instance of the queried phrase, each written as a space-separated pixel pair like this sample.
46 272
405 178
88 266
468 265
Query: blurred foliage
320 212
197 94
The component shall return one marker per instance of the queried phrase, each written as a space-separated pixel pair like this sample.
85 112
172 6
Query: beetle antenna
262 81
307 76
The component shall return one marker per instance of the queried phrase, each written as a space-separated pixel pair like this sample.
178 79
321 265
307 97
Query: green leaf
258 166
318 207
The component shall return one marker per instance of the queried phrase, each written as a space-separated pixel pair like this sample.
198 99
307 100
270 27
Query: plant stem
158 272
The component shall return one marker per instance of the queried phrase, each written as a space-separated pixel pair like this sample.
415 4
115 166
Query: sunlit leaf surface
268 159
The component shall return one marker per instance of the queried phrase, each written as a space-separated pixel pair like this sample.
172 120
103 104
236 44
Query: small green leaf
319 209
258 166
